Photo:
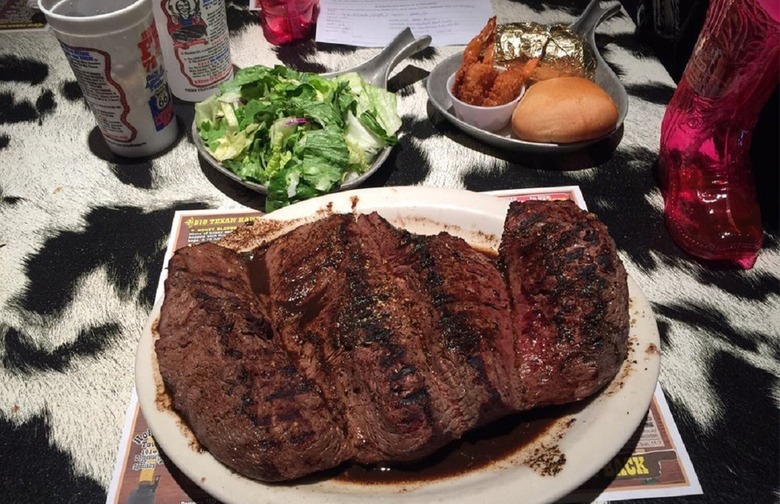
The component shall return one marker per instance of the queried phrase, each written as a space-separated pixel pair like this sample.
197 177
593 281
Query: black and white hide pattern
82 237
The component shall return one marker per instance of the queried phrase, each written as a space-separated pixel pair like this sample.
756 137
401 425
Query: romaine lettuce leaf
324 154
363 144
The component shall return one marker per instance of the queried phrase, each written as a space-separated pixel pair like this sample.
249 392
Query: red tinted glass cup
287 21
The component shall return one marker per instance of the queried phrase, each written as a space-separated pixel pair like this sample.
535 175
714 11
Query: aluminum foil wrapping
561 52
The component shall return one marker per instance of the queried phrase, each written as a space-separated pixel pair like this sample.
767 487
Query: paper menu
375 24
21 15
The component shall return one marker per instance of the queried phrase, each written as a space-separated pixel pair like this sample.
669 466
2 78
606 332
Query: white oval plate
588 438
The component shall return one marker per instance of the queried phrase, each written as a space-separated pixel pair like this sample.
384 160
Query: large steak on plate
347 339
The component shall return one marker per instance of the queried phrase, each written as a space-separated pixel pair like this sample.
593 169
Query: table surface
82 237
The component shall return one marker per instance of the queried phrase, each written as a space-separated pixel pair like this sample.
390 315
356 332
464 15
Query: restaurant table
83 234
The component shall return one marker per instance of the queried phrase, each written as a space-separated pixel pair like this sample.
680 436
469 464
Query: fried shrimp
508 84
478 81
474 53
475 50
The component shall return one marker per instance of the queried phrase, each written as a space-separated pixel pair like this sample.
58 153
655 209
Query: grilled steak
569 301
347 339
238 390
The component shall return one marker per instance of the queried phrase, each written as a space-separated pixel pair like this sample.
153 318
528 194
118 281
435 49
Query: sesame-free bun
564 110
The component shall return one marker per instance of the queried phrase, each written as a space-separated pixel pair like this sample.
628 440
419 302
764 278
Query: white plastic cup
114 51
196 46
490 119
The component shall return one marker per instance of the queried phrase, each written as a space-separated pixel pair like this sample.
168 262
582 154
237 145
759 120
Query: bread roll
564 110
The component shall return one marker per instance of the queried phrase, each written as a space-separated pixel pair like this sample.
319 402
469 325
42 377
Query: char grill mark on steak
569 297
262 417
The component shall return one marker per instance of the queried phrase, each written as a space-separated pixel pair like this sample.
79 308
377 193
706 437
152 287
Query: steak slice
346 322
569 301
442 278
244 399
470 296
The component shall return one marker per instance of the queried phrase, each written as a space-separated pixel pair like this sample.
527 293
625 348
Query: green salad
297 133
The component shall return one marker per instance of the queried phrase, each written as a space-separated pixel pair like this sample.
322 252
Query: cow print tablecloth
82 236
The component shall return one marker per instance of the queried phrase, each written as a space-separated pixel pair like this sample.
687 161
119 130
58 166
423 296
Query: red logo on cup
150 47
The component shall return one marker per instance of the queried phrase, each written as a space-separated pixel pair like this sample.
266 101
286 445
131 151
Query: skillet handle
591 17
377 69
585 26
